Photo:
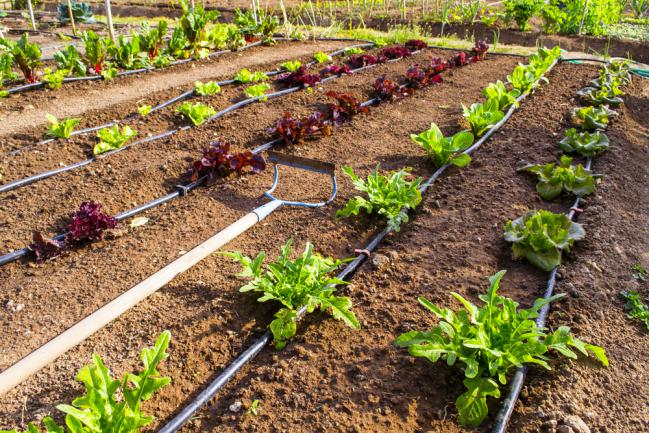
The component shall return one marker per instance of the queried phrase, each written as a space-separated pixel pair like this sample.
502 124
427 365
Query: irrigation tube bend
505 413
253 350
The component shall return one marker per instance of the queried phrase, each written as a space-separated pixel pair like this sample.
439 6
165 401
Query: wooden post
109 19
71 15
31 14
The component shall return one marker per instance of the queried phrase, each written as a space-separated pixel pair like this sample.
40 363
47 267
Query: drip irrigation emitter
505 413
39 358
219 382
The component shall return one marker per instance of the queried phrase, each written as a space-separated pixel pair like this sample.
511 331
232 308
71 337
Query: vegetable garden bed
328 376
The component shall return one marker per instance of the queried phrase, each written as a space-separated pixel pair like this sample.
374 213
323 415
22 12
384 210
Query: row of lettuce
196 34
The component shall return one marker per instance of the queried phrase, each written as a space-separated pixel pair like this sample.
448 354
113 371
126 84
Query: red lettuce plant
396 52
346 107
480 50
217 161
299 78
294 130
361 60
388 90
416 45
89 223
418 77
460 59
336 70
438 65
45 248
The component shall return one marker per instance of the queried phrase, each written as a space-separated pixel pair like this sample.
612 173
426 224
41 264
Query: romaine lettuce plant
541 236
591 118
112 138
554 179
206 89
198 113
305 281
482 117
488 342
389 196
217 161
584 143
62 128
244 76
499 92
443 150
604 95
523 78
257 90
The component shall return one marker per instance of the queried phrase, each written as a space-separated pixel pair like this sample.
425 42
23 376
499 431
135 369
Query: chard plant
390 196
25 55
96 50
321 57
112 138
584 143
554 179
257 90
61 128
488 341
150 39
128 54
636 308
498 91
194 21
482 117
6 71
291 66
70 59
244 76
197 113
206 89
541 236
177 44
295 283
443 150
592 118
101 409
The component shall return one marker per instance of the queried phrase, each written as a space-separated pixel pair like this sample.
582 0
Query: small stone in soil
235 407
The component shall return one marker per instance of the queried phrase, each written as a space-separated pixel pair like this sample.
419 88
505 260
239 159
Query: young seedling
62 128
541 236
112 138
390 196
144 110
489 341
554 179
302 282
197 113
443 150
206 89
607 94
584 143
640 273
635 306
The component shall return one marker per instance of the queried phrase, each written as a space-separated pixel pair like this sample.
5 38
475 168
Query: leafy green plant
96 50
24 54
481 117
144 110
635 306
194 21
390 196
177 45
198 113
604 95
149 39
322 57
584 143
443 150
303 282
554 179
54 79
521 11
100 409
112 138
206 89
128 53
489 341
291 66
234 39
640 273
591 118
109 71
257 90
82 12
6 72
61 128
499 92
523 79
70 59
350 51
244 76
541 236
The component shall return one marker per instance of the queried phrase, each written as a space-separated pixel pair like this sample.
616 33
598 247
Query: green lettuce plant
291 66
206 89
443 150
257 90
390 196
144 110
197 113
497 91
244 76
592 118
541 236
635 306
61 128
482 117
584 143
322 57
554 179
295 283
112 138
488 341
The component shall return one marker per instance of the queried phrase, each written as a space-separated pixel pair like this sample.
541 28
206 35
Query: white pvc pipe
109 20
31 14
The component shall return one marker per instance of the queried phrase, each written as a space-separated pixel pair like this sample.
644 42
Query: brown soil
331 378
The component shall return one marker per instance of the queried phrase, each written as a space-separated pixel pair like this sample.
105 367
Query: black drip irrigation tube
256 347
46 174
505 413
183 190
